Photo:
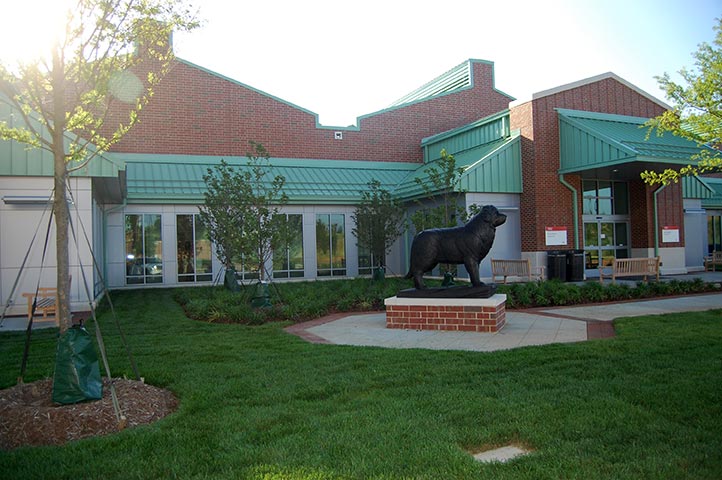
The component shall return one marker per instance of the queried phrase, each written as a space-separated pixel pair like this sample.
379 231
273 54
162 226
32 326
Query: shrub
301 301
593 292
618 292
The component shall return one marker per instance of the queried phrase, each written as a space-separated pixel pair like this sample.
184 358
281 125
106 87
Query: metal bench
711 262
515 268
630 267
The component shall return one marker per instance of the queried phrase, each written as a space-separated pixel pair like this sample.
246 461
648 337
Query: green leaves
378 220
696 113
242 207
440 185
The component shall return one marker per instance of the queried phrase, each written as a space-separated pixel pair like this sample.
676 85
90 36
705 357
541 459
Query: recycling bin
557 265
575 265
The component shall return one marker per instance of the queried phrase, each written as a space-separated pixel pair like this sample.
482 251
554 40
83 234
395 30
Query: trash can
575 265
557 265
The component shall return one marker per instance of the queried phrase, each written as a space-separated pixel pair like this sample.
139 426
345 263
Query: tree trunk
60 204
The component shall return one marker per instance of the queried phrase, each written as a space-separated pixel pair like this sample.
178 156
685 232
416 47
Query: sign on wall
555 235
670 234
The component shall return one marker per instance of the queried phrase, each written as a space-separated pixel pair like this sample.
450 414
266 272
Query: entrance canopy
616 147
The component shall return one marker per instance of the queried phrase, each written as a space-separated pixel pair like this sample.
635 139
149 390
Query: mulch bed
28 417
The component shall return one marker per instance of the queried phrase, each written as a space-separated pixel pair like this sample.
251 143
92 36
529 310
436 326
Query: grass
259 403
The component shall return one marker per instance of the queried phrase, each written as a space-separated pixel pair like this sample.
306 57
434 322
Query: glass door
605 239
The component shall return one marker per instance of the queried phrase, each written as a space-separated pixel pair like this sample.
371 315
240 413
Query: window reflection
143 249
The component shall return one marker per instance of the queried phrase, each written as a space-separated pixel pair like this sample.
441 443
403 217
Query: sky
343 59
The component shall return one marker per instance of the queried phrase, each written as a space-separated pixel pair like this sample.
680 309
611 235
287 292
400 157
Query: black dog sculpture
467 245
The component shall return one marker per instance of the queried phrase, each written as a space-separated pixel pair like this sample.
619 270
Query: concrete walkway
523 328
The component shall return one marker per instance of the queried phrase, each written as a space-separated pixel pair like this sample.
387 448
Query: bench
515 268
46 300
711 262
630 267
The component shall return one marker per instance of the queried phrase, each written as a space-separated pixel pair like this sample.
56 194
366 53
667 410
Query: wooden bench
711 262
515 268
46 300
630 267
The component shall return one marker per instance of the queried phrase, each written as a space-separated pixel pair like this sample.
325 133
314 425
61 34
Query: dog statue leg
473 268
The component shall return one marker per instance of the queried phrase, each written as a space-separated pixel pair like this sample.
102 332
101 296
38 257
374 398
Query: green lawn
259 403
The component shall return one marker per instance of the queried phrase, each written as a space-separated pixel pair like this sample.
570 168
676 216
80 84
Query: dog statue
467 245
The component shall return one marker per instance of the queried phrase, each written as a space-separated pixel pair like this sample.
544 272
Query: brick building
564 167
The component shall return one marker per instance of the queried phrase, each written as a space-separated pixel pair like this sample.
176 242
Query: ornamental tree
106 58
242 209
696 113
378 221
440 185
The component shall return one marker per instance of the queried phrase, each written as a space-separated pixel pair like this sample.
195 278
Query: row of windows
144 250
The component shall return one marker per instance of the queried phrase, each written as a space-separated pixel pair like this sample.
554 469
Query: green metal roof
179 178
472 135
715 201
487 151
591 140
494 167
18 159
696 187
458 78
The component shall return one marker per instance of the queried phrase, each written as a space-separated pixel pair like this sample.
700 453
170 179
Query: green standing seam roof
696 187
591 140
489 154
18 159
179 179
458 78
714 201
491 168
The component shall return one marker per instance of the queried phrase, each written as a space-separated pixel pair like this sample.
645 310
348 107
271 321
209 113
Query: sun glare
30 28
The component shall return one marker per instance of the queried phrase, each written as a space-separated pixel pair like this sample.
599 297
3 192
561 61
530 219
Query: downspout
407 244
656 220
575 209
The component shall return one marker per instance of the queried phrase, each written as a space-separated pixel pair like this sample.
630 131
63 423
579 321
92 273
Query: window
603 197
194 250
714 233
366 261
247 267
330 245
143 249
288 261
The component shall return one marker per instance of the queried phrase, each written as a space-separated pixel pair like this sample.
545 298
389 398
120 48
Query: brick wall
545 201
195 112
486 315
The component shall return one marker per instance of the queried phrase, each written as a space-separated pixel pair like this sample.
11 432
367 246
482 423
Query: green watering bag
77 372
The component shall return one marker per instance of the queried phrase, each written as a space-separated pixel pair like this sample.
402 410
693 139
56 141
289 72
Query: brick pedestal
457 314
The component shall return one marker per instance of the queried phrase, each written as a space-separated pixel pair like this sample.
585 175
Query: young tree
696 113
110 53
220 212
242 210
378 221
440 184
440 187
